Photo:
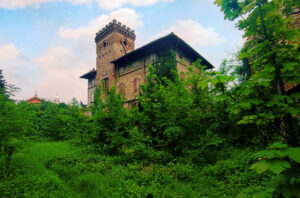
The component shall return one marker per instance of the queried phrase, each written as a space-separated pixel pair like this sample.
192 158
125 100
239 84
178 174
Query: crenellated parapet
115 26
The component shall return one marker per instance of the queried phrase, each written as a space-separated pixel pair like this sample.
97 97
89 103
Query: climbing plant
166 65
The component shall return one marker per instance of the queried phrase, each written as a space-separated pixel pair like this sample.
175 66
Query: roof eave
33 98
171 35
89 75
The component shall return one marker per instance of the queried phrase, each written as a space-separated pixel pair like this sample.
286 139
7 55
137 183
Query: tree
273 53
2 83
11 126
110 121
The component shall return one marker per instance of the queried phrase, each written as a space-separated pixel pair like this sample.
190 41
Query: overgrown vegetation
227 133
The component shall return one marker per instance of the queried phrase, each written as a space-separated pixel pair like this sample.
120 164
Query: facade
118 63
91 77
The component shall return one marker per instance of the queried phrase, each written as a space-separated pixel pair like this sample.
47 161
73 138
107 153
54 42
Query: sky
46 45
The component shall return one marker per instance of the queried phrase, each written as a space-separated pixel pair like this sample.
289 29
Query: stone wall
127 74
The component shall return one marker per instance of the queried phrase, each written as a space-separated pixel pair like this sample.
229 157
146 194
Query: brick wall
127 74
109 49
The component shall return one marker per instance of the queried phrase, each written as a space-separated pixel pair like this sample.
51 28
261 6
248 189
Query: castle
118 62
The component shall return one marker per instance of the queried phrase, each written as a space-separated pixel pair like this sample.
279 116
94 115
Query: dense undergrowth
227 133
62 169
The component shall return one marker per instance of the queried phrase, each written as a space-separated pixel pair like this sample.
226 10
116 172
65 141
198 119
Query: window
180 54
92 97
105 84
104 44
122 88
124 42
136 86
121 69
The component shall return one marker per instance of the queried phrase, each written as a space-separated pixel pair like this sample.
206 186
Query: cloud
57 70
125 15
194 33
18 69
8 51
13 4
81 41
60 69
104 4
113 4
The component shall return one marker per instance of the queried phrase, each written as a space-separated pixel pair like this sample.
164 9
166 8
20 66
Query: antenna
56 98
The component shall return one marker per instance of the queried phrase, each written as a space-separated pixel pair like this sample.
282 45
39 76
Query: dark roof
170 41
90 74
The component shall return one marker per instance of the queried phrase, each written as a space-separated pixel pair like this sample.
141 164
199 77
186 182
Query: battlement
115 26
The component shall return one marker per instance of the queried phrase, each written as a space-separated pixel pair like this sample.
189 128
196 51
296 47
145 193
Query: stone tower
113 41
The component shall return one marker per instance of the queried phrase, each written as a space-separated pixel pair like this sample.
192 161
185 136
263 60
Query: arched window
136 85
122 88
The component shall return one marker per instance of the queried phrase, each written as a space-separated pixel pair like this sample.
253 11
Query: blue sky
45 45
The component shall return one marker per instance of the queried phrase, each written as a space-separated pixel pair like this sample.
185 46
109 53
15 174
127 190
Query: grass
60 169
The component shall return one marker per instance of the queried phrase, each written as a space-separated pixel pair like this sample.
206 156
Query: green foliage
110 122
69 121
273 55
29 175
283 163
12 124
272 51
59 169
188 137
7 89
166 66
2 83
164 109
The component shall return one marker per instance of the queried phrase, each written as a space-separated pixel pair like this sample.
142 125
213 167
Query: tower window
105 84
104 44
124 42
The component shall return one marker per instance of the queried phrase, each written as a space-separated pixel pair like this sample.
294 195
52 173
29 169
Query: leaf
249 7
248 119
275 165
289 66
296 96
294 154
271 154
278 145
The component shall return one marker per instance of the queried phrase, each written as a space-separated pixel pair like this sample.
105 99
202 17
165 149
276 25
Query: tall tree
2 83
273 52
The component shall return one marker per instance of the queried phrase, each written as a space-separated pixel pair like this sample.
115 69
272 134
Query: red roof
34 100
